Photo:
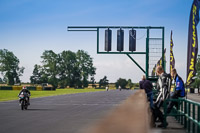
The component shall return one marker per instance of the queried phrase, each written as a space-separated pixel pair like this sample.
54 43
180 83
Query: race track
59 114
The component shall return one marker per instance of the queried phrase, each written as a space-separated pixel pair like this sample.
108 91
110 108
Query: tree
35 79
92 81
39 75
121 82
103 82
196 83
68 70
9 67
5 80
50 65
85 66
1 80
136 85
130 84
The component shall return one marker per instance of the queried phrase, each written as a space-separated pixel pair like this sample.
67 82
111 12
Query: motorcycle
23 98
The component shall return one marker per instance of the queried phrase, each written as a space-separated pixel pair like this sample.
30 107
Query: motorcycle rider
26 91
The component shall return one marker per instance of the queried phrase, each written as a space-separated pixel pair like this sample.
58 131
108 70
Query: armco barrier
5 87
16 87
132 116
39 88
31 88
100 88
49 89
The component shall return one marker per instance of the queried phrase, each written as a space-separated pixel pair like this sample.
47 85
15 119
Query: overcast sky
28 27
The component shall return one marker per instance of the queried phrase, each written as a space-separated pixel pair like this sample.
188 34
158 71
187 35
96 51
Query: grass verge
6 95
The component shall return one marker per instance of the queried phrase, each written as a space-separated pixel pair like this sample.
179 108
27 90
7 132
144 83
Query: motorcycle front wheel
22 105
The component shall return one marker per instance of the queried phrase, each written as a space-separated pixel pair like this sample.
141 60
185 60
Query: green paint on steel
97 40
198 128
121 52
97 28
82 30
147 54
113 27
190 111
136 63
193 117
163 49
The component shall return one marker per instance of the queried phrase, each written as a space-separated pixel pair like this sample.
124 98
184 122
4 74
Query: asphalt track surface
59 114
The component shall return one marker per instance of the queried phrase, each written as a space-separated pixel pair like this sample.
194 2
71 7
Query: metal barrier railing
186 112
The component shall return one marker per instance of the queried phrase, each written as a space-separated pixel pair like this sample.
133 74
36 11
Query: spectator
147 86
163 85
179 89
141 82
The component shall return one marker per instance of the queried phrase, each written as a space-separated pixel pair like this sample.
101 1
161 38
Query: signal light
132 40
120 40
108 40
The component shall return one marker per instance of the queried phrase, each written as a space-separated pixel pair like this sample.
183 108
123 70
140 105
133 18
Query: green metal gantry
148 28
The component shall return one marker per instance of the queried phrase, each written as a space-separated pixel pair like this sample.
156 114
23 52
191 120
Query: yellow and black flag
153 73
172 60
159 63
192 42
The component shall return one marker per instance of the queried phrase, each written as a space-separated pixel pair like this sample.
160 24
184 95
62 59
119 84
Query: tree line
123 83
63 69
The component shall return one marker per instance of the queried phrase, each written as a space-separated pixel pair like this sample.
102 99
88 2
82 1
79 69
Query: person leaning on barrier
179 89
141 82
147 86
163 86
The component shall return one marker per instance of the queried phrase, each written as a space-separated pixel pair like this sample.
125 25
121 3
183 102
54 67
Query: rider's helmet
24 87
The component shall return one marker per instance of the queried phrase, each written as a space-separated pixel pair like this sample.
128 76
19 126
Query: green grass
6 95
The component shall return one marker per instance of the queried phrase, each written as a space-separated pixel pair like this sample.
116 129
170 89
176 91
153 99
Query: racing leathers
27 92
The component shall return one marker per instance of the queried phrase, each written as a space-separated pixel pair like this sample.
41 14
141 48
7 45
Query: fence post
178 110
188 122
185 111
198 114
181 112
193 116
